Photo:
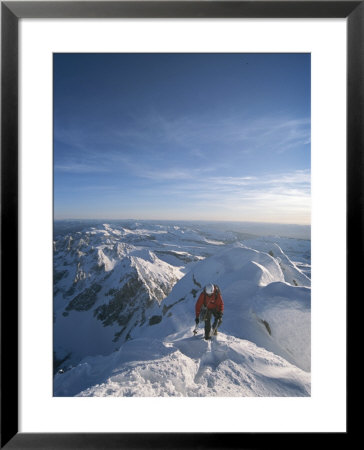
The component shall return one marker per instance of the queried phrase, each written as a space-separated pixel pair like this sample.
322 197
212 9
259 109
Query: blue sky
182 136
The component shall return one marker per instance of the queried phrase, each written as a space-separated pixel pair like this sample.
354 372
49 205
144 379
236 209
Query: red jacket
211 301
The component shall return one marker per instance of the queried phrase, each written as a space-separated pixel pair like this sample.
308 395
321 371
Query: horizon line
181 220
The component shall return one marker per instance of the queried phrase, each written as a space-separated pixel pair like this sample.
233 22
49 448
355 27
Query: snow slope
188 366
263 348
260 305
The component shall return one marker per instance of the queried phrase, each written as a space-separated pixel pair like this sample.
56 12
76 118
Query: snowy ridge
260 305
186 366
141 321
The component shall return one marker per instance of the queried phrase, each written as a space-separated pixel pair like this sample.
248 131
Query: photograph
181 224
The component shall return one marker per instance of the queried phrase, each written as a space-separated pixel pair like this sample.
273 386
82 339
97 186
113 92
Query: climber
209 304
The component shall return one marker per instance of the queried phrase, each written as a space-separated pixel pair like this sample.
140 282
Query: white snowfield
263 347
184 365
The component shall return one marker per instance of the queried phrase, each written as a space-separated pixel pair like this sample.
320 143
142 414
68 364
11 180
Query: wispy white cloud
281 198
80 168
196 134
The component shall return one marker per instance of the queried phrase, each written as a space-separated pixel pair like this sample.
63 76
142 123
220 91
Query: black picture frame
11 13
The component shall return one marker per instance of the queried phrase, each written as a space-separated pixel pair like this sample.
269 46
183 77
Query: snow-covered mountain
124 296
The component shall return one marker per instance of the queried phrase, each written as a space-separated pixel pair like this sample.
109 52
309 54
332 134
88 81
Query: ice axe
195 330
196 327
201 318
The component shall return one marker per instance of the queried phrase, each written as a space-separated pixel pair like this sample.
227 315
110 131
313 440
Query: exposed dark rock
155 319
85 300
58 275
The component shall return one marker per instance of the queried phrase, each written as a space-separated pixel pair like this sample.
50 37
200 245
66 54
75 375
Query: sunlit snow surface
124 311
186 366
